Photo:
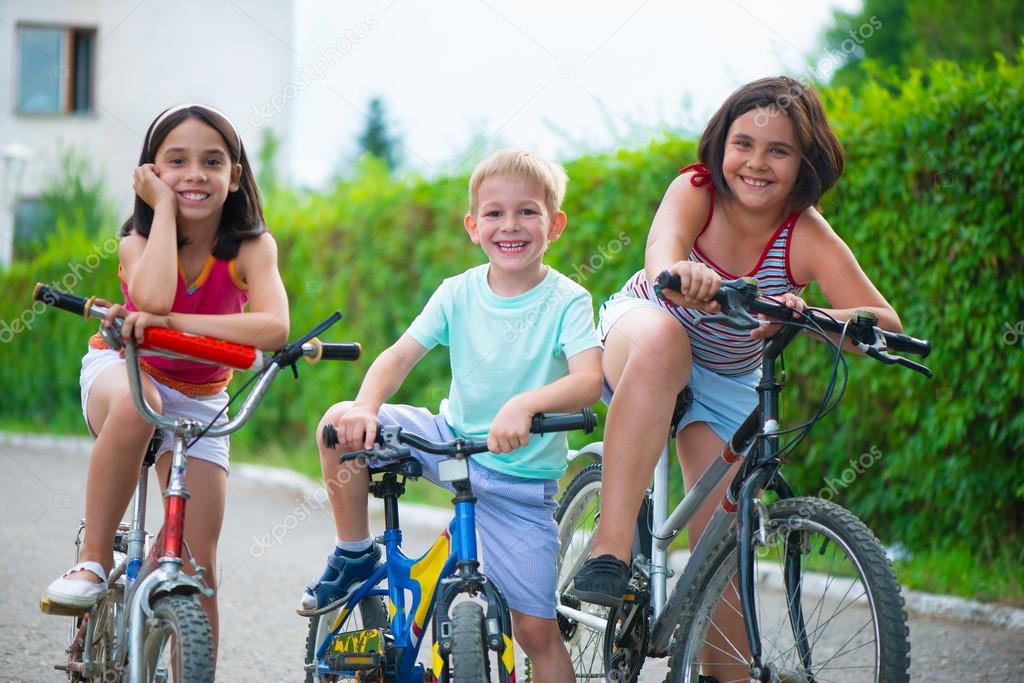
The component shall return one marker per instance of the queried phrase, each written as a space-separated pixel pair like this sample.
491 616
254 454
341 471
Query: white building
90 75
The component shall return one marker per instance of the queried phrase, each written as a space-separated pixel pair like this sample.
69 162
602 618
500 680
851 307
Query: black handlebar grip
667 280
341 351
330 436
58 299
907 344
584 420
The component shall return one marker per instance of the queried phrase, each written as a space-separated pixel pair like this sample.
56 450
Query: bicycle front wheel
829 607
178 644
370 613
469 661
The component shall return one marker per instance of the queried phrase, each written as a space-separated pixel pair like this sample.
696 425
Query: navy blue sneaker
336 583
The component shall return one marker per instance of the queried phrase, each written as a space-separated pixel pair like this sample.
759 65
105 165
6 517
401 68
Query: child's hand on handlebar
772 327
510 429
135 324
698 285
357 429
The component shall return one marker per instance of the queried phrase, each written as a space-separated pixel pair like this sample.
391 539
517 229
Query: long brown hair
821 154
242 216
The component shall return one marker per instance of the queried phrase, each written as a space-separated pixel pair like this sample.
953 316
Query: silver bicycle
817 594
149 625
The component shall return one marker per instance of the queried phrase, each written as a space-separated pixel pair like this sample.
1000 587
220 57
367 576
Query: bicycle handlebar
176 344
739 298
392 439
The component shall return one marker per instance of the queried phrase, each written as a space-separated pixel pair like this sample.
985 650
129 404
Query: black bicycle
818 596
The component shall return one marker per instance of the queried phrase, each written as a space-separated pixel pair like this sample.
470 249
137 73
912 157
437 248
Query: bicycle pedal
357 661
357 651
58 610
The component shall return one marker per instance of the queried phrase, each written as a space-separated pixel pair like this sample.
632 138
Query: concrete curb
961 609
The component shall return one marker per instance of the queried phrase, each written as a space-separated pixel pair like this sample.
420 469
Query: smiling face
193 161
513 226
761 160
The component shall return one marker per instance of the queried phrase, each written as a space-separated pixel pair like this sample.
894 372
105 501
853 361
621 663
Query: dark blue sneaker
336 583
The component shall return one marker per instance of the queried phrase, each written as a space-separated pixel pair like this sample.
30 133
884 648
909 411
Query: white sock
354 546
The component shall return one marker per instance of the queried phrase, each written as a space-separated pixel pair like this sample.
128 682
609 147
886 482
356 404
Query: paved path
273 542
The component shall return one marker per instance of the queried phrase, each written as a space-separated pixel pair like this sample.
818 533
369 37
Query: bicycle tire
469 661
371 613
880 653
181 618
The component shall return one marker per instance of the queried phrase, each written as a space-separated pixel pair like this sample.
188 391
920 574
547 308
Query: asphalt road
273 543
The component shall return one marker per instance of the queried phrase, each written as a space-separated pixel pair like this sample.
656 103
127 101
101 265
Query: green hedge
931 203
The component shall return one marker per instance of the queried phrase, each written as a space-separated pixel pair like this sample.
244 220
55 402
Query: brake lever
738 319
734 313
378 454
889 359
291 353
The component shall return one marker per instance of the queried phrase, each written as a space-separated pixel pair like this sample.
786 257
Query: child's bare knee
535 634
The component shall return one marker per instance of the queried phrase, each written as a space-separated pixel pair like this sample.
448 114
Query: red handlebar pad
227 354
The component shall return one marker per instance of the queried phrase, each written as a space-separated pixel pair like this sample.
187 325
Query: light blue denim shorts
723 401
514 517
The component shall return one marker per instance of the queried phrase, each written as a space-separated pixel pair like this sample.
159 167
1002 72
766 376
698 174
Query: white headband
218 112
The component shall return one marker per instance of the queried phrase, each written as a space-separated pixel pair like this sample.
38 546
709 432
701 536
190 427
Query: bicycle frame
434 579
160 572
760 466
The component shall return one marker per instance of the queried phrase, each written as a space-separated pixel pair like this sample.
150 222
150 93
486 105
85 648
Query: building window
30 227
55 69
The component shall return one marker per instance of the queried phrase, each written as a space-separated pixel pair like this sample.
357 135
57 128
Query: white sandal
73 596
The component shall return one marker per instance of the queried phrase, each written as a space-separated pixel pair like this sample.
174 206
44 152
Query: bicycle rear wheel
178 640
832 611
370 613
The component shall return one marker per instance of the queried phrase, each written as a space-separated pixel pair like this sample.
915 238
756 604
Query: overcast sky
559 76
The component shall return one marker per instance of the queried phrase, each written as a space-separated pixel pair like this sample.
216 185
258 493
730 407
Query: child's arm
580 388
818 254
358 428
154 255
265 325
676 226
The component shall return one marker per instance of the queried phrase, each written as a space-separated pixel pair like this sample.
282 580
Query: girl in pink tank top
749 208
193 255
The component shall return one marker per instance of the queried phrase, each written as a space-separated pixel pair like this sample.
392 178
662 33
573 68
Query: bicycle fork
161 572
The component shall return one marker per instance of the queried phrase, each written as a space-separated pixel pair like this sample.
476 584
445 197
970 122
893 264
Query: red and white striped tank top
718 347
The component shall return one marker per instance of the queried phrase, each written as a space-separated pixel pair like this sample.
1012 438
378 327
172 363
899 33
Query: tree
376 139
899 35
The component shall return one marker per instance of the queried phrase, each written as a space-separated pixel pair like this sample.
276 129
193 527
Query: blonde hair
524 165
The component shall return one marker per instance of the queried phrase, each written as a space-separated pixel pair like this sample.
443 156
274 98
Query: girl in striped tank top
194 253
747 209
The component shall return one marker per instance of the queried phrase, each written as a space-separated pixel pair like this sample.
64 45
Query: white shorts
175 404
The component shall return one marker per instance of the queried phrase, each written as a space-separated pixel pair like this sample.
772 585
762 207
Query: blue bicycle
364 641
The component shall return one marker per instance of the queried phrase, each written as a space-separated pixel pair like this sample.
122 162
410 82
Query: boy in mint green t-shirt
521 341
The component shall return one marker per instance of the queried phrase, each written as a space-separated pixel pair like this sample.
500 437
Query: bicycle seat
407 467
683 402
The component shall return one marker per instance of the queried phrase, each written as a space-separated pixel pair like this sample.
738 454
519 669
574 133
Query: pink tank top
216 291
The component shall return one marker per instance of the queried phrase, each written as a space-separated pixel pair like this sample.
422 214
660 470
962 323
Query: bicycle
788 638
150 616
357 640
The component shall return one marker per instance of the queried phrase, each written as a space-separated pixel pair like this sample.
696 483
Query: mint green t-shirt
503 346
